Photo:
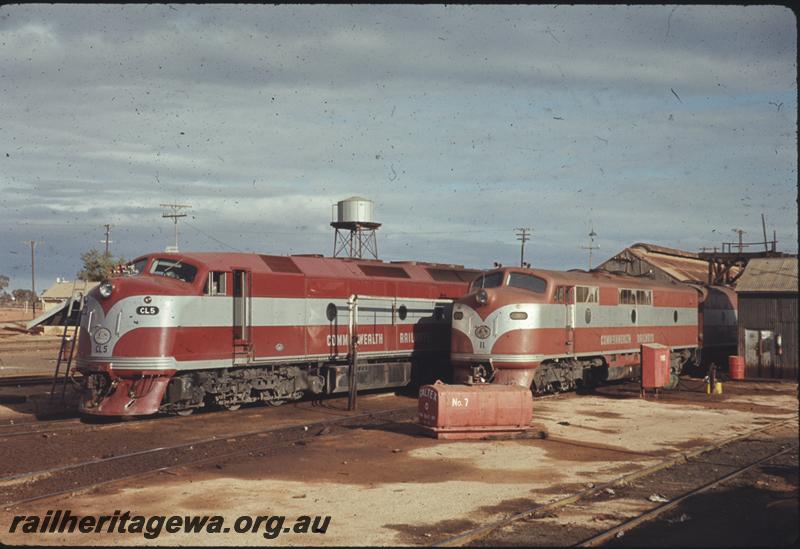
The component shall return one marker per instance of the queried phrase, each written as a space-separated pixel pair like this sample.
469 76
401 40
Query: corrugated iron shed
679 267
667 263
665 251
778 274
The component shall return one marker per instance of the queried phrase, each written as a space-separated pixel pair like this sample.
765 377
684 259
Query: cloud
657 123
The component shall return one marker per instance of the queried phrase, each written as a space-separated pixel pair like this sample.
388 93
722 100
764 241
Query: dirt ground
17 314
24 354
391 485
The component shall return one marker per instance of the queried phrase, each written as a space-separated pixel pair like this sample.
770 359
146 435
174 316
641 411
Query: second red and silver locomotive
554 330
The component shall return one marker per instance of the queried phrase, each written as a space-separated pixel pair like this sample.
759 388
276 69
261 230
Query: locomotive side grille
280 264
452 275
380 270
397 373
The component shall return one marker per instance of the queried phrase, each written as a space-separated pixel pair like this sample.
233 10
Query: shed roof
63 289
680 265
769 274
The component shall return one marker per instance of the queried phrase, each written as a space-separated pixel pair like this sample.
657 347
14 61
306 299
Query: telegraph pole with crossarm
523 235
174 211
591 245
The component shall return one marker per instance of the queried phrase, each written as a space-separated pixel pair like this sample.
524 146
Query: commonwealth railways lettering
617 339
363 339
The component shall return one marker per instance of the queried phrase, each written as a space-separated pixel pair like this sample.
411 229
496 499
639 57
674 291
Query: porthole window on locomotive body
402 312
330 311
588 315
675 316
633 316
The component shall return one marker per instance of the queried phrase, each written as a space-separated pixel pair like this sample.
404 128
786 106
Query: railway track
31 486
13 428
479 535
611 533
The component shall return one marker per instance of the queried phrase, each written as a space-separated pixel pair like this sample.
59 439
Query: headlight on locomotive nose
482 297
105 289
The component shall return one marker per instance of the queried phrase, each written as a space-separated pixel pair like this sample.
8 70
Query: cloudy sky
663 124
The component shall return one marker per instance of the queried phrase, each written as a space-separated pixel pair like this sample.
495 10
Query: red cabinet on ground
655 366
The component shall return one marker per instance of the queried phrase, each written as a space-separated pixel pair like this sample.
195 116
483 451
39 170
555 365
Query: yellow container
717 388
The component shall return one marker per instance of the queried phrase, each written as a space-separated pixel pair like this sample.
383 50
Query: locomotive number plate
147 310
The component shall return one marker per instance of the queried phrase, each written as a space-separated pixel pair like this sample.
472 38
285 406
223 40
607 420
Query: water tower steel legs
355 243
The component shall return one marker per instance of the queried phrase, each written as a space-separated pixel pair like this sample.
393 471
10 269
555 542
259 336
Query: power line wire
215 239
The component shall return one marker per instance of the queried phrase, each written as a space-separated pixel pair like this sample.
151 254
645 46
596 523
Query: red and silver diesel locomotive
553 330
183 330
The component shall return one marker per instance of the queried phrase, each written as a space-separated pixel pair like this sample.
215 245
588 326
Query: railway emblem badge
102 336
482 331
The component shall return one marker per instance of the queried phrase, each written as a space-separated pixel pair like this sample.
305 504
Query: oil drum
736 367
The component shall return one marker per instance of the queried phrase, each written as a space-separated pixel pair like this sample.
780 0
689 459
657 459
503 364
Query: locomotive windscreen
527 282
174 269
491 280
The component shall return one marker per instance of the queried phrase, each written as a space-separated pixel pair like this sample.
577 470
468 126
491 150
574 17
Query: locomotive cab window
527 282
136 267
586 294
644 297
627 297
491 280
216 284
172 268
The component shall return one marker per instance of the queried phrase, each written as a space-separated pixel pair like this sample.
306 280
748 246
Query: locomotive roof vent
355 226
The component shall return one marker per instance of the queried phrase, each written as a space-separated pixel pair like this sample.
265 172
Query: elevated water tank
355 209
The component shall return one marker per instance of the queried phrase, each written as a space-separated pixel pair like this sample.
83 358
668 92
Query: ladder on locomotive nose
69 337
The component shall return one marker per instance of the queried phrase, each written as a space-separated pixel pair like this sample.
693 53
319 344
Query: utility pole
740 232
591 246
764 228
32 244
107 241
174 211
523 235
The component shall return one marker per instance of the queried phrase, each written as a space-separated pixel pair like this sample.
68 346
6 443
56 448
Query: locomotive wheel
186 412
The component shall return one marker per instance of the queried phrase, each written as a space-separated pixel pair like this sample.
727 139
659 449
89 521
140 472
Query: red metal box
474 411
655 366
